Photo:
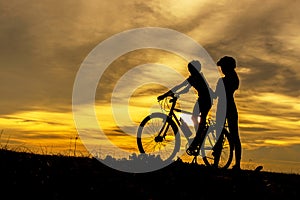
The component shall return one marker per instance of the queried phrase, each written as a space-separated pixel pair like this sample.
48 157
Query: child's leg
195 115
195 121
200 133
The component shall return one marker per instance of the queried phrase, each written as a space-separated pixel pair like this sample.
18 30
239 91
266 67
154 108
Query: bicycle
158 134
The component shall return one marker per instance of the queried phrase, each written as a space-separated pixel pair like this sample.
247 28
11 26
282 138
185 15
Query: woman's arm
219 88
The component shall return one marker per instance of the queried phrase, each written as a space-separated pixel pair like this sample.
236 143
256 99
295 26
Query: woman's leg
234 131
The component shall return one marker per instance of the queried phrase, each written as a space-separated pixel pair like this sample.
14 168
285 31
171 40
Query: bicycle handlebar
173 95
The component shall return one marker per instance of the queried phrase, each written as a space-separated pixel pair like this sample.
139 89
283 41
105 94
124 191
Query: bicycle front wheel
216 151
158 136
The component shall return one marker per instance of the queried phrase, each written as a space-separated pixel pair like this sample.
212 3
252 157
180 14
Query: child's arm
184 84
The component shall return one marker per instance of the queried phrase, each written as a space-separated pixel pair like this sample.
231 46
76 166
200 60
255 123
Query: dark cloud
129 61
41 51
50 40
36 121
254 129
267 76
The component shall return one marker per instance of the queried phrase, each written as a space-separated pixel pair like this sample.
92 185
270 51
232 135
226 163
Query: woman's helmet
227 62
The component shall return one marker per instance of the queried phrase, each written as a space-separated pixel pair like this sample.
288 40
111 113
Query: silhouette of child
202 105
226 103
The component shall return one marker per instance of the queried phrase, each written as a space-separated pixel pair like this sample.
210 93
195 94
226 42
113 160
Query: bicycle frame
172 116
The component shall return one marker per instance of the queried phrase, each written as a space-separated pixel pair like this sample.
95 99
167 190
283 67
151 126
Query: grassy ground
33 176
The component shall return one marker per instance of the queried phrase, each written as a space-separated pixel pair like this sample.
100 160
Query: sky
44 43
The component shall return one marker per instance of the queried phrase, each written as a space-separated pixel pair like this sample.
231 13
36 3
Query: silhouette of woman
226 103
202 105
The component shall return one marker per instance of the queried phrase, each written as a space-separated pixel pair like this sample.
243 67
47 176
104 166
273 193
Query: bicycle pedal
192 152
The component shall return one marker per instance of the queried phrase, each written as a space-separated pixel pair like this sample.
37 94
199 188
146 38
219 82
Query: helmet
195 64
227 62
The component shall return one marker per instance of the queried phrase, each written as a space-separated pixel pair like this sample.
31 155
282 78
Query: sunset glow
44 43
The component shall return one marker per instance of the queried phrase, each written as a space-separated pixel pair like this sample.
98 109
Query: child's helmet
195 64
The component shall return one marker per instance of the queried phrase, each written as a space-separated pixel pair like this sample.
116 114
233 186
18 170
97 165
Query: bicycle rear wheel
150 138
215 151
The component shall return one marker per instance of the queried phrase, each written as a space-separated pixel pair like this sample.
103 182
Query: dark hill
32 176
